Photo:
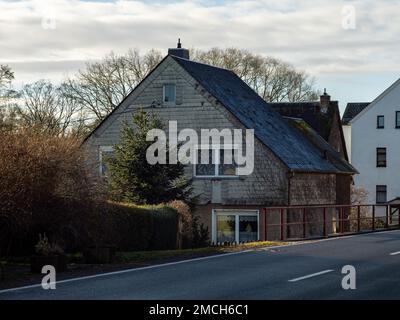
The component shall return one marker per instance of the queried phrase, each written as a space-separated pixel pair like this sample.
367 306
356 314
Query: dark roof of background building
310 113
353 109
296 151
325 149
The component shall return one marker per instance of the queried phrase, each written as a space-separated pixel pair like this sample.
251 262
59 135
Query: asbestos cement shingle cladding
254 113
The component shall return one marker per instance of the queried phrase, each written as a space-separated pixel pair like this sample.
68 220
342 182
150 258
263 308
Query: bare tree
101 86
7 96
47 106
6 76
273 79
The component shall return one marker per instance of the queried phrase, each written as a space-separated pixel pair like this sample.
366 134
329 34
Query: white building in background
372 134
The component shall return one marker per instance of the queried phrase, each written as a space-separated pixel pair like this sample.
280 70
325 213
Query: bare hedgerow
45 186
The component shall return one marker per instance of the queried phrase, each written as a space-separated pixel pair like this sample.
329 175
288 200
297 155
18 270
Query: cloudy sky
351 47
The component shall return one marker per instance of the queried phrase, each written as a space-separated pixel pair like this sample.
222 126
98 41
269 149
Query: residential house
293 165
373 136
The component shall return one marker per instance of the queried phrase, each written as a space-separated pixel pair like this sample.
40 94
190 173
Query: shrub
45 186
201 235
134 228
45 248
185 223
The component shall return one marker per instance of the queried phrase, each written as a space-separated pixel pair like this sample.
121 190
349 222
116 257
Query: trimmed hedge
137 228
76 225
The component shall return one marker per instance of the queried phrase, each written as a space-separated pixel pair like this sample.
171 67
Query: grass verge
151 256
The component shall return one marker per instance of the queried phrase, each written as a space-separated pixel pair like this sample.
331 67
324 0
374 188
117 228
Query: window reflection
225 228
248 228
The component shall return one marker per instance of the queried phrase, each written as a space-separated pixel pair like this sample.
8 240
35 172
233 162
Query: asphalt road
305 271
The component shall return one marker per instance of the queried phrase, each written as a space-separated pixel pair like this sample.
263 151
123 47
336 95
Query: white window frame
101 150
169 84
216 164
233 212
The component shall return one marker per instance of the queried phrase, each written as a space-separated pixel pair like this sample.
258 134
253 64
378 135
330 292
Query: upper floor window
380 122
397 119
105 153
381 194
217 166
169 93
381 157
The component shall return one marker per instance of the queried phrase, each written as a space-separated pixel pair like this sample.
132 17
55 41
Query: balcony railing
321 221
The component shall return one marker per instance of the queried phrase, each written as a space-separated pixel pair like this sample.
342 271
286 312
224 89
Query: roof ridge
201 63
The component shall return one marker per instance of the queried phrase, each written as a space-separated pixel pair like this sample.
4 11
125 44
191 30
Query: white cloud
308 34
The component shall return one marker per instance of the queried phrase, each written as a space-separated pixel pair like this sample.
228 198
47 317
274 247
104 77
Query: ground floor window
235 226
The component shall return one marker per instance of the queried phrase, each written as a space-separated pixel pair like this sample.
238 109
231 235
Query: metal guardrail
321 221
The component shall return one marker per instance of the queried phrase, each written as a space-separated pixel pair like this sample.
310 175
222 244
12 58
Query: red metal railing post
282 236
358 218
387 217
341 220
304 223
373 217
324 228
398 216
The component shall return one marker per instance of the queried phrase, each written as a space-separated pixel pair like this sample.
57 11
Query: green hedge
75 225
136 228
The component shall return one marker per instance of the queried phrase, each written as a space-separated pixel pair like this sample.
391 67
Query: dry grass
151 256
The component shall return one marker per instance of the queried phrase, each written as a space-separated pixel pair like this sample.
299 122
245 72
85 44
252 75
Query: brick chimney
179 51
325 100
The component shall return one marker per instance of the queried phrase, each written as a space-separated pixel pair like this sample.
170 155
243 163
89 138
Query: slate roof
325 149
353 109
294 150
310 113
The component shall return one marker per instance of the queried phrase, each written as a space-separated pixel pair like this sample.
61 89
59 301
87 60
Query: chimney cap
179 51
325 93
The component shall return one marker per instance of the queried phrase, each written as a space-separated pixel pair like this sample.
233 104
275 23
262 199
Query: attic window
169 93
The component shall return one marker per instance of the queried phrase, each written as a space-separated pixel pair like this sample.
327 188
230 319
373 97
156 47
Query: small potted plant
48 254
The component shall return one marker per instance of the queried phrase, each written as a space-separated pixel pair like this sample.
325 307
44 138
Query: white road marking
395 253
129 270
310 275
307 242
197 259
